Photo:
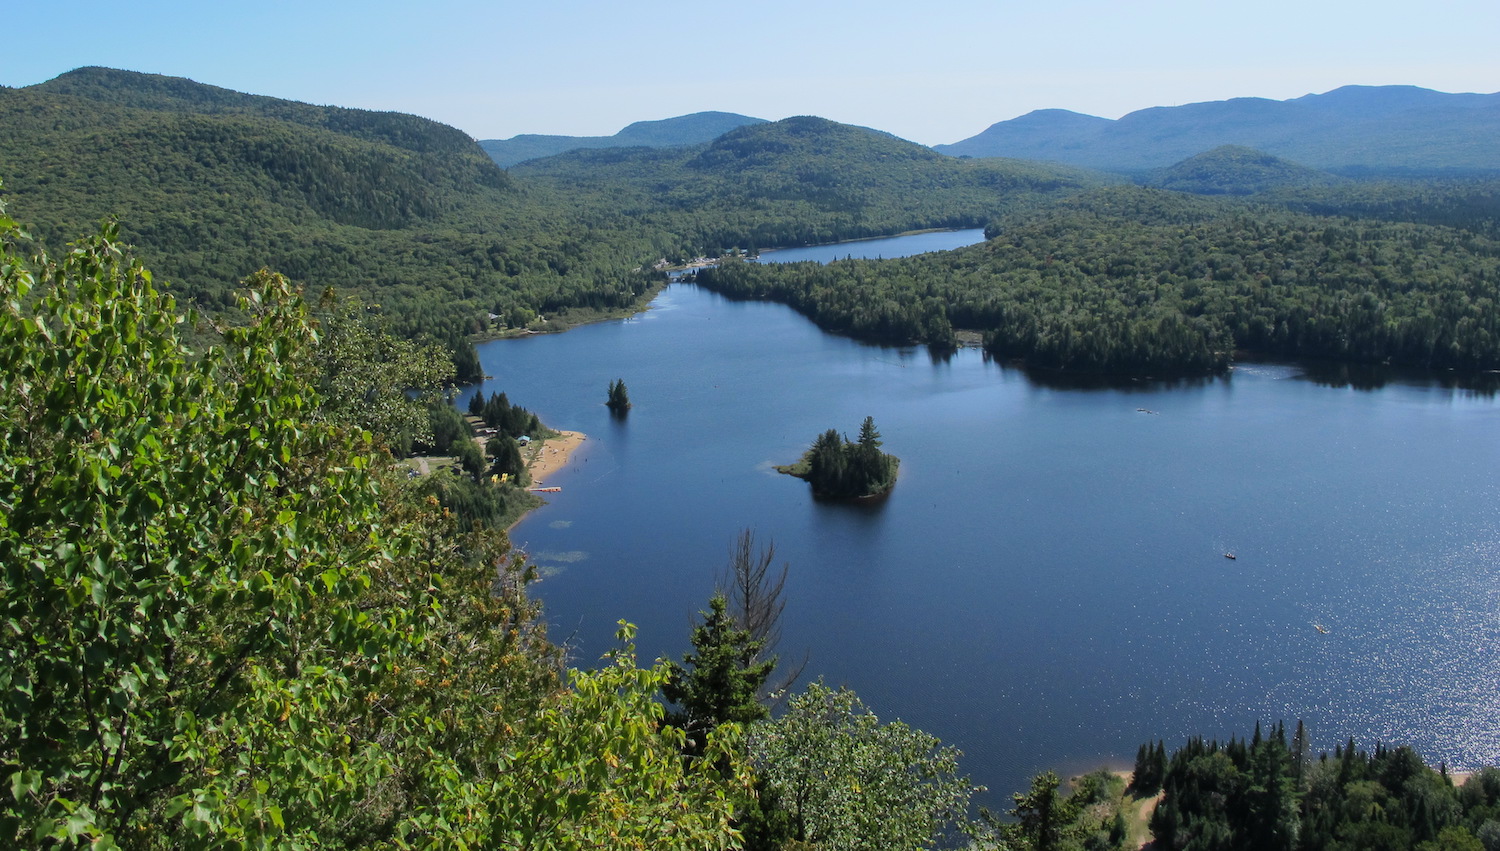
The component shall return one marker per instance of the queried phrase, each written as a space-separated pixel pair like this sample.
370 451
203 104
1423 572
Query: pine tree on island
619 399
838 468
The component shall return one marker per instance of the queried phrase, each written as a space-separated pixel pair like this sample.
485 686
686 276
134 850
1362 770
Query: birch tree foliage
851 783
225 622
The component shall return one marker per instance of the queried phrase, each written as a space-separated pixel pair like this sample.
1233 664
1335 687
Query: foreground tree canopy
850 783
224 622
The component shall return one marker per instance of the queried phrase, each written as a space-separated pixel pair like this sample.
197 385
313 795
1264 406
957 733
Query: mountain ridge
679 131
801 180
1351 127
158 92
210 184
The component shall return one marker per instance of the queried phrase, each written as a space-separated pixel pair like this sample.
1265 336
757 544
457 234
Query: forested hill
693 129
178 94
1358 128
798 181
1145 281
1237 170
211 185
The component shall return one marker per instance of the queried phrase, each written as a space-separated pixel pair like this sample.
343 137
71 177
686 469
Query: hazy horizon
933 76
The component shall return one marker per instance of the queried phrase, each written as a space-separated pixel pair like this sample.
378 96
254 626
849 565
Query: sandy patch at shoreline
545 457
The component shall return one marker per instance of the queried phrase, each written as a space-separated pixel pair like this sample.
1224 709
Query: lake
1047 585
880 247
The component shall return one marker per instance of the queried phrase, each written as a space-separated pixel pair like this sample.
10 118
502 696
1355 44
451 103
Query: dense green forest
1236 170
230 617
408 213
1271 793
1136 279
799 181
229 620
413 217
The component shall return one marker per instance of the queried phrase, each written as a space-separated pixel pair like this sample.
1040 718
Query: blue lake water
1046 587
883 247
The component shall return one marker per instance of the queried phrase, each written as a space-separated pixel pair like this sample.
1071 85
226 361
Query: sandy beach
545 457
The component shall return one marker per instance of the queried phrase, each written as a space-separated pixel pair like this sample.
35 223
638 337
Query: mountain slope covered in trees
799 181
412 216
212 185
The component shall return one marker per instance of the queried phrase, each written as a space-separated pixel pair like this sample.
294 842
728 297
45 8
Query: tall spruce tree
720 681
618 399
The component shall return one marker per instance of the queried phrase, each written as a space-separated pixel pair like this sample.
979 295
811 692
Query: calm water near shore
1046 587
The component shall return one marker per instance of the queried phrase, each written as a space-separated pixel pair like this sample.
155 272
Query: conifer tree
506 455
719 681
619 399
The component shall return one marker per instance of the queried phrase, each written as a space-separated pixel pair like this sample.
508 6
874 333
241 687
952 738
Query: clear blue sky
932 73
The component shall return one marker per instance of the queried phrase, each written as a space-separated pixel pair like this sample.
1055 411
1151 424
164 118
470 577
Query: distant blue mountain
676 132
1351 128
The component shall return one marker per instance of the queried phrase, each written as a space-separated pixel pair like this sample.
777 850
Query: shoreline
545 457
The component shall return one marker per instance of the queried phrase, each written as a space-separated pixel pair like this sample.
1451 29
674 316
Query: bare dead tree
754 588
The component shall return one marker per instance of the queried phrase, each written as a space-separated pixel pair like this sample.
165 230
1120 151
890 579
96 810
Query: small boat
1320 628
1229 556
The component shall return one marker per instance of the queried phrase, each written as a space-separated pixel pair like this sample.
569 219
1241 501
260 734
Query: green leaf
22 783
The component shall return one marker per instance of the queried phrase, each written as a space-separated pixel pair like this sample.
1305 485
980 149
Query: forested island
618 398
838 468
237 614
